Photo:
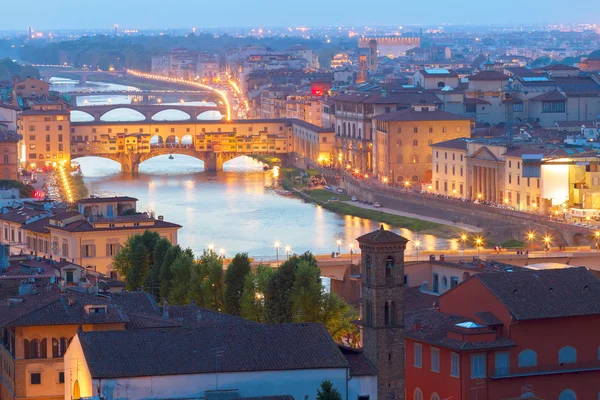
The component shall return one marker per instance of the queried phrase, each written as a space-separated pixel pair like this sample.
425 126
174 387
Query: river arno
234 209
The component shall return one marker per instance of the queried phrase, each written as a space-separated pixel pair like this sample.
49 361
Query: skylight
437 71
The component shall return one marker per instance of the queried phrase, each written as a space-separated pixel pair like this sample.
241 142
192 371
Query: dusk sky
203 13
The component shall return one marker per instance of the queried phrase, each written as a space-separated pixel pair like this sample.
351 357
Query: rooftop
381 236
412 115
251 347
106 199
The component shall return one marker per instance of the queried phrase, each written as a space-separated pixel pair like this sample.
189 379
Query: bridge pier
213 162
130 162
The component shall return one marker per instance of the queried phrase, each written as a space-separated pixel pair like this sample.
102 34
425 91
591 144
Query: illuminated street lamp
351 246
407 184
277 245
463 239
478 243
339 245
479 196
547 241
288 250
530 238
385 180
211 247
597 237
417 246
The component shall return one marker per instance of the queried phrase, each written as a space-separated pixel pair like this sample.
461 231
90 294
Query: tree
181 270
307 293
278 304
140 264
153 278
166 275
252 305
337 316
328 392
235 277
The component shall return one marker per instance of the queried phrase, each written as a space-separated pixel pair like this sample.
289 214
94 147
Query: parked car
340 190
354 198
377 204
334 199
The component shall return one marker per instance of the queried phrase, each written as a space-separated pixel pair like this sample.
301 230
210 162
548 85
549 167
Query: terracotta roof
20 215
487 318
574 86
475 100
455 144
416 300
85 226
106 199
437 72
359 365
252 347
145 321
39 226
555 293
381 236
412 115
489 76
432 326
10 311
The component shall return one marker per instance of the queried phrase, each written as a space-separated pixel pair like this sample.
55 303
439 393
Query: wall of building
449 172
46 140
77 373
9 160
301 384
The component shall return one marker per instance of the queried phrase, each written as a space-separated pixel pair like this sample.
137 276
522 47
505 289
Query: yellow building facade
403 142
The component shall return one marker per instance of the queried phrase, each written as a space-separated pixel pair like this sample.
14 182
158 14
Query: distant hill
9 69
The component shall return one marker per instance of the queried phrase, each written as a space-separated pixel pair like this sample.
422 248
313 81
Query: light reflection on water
233 209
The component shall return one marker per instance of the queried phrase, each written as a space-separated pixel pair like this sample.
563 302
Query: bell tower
382 321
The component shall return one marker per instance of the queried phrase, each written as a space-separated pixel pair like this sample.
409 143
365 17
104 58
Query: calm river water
235 210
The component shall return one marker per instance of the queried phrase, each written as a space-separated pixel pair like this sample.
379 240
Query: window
418 362
418 395
36 378
567 355
502 363
416 130
567 394
415 142
477 366
430 130
389 267
435 396
389 313
454 279
553 106
88 250
61 377
527 358
435 359
59 346
454 365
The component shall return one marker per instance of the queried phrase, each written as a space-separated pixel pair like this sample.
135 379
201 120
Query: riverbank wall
500 224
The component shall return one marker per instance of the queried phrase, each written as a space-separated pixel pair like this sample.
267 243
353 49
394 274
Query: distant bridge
147 111
139 96
82 75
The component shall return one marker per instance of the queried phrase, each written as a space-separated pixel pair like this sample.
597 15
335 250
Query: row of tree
10 69
291 293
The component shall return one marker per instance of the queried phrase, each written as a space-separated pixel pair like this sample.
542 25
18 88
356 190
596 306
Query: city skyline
239 13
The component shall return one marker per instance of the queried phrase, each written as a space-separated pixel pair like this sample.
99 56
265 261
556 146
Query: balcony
548 369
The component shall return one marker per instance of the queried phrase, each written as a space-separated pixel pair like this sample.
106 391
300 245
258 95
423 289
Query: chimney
165 310
481 264
70 300
417 325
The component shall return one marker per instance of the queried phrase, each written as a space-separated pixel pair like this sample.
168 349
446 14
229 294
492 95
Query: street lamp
339 245
547 240
351 246
479 196
463 239
288 250
530 238
478 243
277 245
385 180
407 184
597 236
417 245
211 247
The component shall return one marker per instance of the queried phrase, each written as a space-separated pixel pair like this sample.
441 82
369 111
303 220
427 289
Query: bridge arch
81 116
122 114
210 115
187 140
172 141
157 141
171 114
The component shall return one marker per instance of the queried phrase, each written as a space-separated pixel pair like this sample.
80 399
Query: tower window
389 267
368 269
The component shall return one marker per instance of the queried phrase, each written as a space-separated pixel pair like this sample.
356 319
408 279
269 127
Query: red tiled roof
455 144
106 199
413 115
489 76
553 95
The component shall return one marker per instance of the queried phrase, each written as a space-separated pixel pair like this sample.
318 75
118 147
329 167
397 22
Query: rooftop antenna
116 29
30 33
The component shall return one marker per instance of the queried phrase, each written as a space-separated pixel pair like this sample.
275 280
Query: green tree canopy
252 305
328 392
235 277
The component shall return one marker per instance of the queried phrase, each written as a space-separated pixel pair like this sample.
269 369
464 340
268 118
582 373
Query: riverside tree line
290 293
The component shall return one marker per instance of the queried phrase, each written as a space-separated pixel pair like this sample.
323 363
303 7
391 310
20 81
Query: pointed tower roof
382 236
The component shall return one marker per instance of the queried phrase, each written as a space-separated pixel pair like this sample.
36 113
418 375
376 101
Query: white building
252 360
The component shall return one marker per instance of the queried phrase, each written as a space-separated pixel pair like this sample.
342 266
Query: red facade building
508 334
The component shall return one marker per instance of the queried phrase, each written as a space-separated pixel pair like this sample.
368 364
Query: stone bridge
213 161
82 75
148 111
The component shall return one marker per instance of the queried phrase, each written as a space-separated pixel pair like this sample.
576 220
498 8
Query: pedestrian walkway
465 227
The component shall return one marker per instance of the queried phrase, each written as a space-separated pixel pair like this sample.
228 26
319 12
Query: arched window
567 355
415 178
35 348
55 351
353 130
434 396
387 314
418 394
567 394
389 267
527 358
368 269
